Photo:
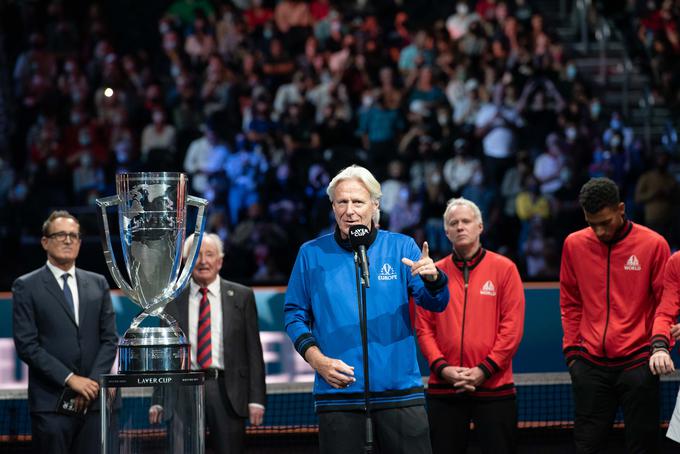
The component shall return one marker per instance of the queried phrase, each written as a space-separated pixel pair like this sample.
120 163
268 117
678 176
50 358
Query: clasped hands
464 379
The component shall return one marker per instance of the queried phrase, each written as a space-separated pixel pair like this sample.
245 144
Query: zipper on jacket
466 277
606 325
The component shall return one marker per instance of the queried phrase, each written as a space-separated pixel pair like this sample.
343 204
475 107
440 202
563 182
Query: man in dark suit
64 329
220 319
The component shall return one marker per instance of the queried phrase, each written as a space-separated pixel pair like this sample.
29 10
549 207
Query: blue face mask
595 109
571 72
267 33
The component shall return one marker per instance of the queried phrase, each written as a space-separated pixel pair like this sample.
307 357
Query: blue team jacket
321 309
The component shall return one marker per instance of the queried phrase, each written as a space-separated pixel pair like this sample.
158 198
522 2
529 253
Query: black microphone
358 239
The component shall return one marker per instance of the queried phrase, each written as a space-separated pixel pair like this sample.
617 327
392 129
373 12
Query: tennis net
544 402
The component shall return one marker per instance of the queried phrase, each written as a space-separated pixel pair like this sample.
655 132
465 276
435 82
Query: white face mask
595 109
570 133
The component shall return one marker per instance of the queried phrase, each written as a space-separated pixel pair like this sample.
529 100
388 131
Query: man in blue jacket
322 319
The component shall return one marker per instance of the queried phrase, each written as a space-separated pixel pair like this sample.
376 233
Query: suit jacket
243 361
49 341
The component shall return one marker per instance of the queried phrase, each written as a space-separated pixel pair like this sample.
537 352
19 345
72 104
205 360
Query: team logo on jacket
387 273
488 289
633 264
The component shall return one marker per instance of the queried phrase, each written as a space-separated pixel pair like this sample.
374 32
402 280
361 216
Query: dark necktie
67 293
203 341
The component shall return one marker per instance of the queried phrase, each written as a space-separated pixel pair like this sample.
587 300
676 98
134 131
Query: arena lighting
108 92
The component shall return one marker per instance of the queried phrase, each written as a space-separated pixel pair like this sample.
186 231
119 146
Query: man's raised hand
424 266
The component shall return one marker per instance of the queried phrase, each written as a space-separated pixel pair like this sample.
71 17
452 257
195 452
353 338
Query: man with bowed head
65 331
611 282
322 319
220 319
470 345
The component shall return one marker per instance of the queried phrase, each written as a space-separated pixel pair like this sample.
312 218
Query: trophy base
163 349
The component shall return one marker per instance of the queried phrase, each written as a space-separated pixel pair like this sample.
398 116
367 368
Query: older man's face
462 227
352 205
208 263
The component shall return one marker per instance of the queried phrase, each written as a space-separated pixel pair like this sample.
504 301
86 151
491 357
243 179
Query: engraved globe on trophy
152 223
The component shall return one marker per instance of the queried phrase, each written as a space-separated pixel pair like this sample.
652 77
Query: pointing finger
407 262
426 251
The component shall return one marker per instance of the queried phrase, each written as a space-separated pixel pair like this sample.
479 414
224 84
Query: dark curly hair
598 193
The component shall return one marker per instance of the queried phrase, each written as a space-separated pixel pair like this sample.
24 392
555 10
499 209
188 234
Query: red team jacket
608 295
482 325
668 310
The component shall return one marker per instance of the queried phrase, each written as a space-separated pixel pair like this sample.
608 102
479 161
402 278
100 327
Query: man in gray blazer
64 329
220 319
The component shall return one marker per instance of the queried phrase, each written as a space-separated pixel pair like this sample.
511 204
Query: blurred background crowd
261 102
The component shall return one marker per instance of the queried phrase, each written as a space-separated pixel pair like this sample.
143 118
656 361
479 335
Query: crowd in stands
260 102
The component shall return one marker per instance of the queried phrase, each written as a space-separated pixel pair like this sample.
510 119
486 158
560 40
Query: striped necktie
203 341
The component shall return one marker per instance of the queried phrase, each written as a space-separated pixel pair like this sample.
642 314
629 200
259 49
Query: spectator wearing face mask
379 127
550 165
613 161
617 126
158 139
82 136
458 24
458 171
495 125
88 179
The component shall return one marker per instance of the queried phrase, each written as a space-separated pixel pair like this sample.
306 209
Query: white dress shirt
72 284
216 340
215 299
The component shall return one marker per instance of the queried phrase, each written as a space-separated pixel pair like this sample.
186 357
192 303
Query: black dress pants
598 392
395 431
495 423
226 429
56 433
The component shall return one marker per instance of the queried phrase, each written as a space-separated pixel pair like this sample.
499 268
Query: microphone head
358 236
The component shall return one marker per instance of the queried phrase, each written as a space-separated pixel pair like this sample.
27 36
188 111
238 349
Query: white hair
461 201
217 241
355 172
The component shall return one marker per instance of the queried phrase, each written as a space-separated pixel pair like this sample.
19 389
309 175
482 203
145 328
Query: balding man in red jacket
470 345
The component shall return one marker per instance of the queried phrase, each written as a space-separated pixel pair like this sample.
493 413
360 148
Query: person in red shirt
664 331
665 328
470 345
611 281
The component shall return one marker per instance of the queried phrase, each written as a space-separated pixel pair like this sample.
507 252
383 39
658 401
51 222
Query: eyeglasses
61 236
